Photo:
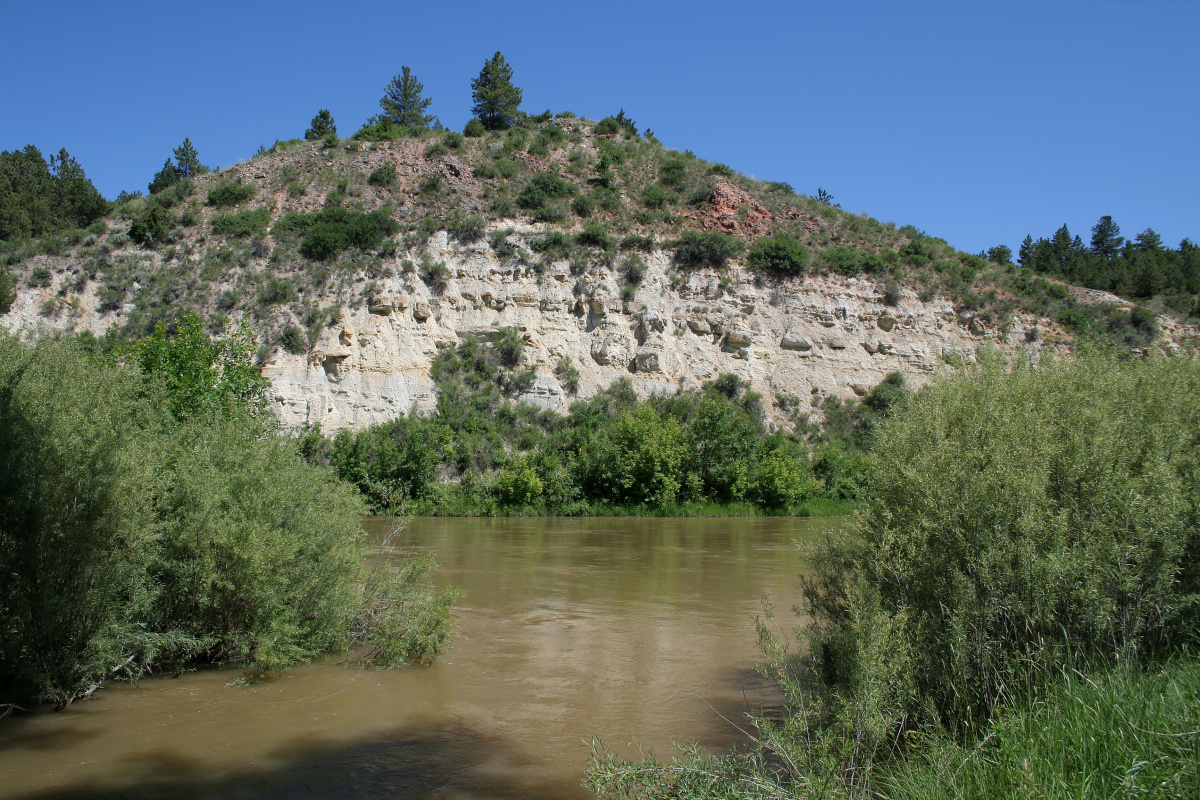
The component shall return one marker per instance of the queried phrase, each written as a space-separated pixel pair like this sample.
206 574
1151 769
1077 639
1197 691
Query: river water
633 630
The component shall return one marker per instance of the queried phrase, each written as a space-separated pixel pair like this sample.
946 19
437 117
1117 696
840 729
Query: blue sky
976 122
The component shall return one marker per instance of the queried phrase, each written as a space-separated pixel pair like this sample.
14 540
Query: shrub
583 205
780 253
152 226
431 184
518 483
850 261
275 291
595 236
333 230
293 340
39 278
474 128
8 289
453 140
673 173
542 188
656 197
230 193
242 225
636 242
607 126
721 169
436 150
382 176
469 229
1074 548
705 249
553 242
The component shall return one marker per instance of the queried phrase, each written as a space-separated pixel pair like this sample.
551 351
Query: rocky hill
356 261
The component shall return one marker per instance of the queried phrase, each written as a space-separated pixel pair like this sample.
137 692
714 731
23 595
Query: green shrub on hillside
851 261
697 249
382 176
543 188
780 253
331 231
151 227
230 193
242 225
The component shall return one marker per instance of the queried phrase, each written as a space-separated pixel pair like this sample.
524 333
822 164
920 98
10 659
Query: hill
357 261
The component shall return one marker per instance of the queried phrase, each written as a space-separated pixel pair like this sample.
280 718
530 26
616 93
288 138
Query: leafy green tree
199 376
1000 254
497 101
322 125
403 103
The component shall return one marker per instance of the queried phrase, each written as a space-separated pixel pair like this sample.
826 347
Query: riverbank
477 506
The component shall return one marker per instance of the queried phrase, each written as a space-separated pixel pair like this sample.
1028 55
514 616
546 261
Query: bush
331 231
293 340
436 150
1076 547
230 193
595 236
275 291
242 225
673 173
780 254
8 289
656 197
583 205
474 128
469 229
39 278
542 188
382 176
850 261
694 249
607 126
151 227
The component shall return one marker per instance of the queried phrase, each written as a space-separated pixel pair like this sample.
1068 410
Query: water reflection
627 629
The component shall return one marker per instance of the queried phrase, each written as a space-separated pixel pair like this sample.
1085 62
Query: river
634 630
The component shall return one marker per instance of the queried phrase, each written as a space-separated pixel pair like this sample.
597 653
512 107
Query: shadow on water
453 761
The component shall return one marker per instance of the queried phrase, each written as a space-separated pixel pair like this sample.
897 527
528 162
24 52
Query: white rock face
816 337
804 339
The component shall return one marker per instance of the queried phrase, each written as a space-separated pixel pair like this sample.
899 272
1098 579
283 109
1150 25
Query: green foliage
656 197
293 340
403 104
8 289
37 198
39 278
322 125
673 173
1026 574
230 193
697 249
331 231
607 126
474 128
780 254
242 225
150 523
496 100
185 167
542 188
851 261
152 226
198 376
382 176
436 150
276 290
635 460
595 236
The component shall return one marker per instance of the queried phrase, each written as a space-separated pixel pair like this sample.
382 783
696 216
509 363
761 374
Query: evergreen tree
497 100
79 203
403 103
322 125
1106 239
37 198
1148 241
187 160
166 177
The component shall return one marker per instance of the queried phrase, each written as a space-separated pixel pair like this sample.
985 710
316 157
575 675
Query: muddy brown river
633 630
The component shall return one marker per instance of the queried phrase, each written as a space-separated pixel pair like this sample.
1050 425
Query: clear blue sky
977 122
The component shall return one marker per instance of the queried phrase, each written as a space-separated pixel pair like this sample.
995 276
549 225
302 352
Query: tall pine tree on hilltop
497 100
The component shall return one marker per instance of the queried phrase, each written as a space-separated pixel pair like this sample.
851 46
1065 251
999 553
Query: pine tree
322 126
497 101
1106 240
187 160
403 104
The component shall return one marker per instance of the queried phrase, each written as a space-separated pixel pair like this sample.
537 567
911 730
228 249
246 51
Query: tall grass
1121 733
